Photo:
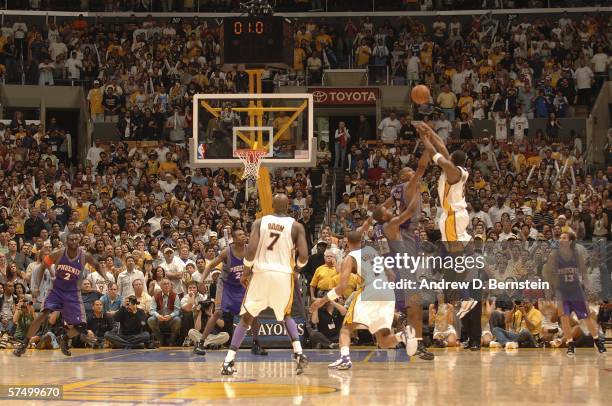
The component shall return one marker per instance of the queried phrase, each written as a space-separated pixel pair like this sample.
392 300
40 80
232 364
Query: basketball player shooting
371 308
230 292
268 277
451 194
64 296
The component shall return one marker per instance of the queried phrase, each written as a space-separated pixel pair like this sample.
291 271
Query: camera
203 305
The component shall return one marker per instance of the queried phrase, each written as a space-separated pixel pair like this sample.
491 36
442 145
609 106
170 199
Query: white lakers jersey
276 249
452 197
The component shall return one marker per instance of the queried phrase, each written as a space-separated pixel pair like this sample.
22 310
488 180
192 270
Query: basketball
420 94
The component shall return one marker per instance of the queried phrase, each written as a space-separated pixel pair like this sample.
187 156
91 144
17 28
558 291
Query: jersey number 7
275 237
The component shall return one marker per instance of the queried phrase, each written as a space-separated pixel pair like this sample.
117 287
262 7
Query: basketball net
251 159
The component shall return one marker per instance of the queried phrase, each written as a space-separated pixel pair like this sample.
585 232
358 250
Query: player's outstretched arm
215 262
405 215
411 188
428 134
429 137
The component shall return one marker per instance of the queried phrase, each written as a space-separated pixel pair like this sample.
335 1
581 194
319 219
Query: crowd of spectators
154 222
141 75
207 6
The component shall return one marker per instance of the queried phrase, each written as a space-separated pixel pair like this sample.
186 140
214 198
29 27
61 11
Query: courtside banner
272 333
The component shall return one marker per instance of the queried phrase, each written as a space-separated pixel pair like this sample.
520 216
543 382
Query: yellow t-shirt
83 211
323 278
447 100
481 184
95 101
299 55
363 55
535 321
322 39
352 285
168 166
465 104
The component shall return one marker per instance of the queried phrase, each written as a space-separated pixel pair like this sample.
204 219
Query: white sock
231 354
344 351
297 346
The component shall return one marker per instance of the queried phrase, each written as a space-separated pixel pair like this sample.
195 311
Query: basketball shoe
343 363
228 368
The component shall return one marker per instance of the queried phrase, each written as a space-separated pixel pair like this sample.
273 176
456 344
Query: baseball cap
213 234
168 249
321 242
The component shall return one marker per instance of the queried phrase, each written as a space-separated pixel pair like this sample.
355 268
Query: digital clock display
257 40
249 27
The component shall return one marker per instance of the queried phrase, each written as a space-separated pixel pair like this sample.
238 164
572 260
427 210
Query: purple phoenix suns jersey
69 273
398 197
233 291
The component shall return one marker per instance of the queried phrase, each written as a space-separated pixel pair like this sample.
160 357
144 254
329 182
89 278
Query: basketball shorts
373 314
69 304
231 298
269 289
453 226
443 335
578 307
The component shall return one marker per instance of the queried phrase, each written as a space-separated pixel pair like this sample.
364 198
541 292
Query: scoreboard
257 41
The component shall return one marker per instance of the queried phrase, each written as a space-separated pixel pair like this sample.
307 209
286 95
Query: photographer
189 302
327 320
132 334
23 317
7 305
202 312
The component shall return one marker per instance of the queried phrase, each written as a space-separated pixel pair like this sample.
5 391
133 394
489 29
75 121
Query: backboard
279 123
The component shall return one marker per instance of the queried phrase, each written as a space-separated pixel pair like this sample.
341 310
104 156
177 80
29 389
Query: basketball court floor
379 377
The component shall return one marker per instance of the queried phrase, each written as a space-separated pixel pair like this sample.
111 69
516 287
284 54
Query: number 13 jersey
276 248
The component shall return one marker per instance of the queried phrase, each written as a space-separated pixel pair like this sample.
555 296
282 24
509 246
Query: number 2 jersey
276 248
70 272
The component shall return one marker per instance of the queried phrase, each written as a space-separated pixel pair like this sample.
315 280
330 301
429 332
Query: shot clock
257 41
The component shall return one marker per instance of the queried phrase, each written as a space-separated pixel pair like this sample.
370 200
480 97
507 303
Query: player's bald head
354 237
280 203
405 174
